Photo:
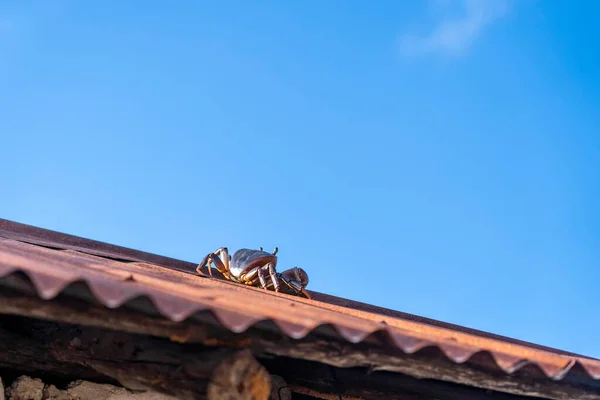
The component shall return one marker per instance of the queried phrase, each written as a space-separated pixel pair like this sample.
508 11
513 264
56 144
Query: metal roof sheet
114 276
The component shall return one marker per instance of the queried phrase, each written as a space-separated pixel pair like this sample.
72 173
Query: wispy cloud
454 35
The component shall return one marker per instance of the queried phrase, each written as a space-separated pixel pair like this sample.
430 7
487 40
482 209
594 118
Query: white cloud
454 35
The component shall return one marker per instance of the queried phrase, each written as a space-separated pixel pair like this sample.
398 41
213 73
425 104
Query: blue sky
437 157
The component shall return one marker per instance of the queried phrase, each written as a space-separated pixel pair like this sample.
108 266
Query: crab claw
301 276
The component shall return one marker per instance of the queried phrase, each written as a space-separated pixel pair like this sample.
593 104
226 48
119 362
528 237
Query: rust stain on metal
54 263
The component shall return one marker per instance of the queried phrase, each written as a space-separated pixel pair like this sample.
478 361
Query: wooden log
239 377
280 390
136 362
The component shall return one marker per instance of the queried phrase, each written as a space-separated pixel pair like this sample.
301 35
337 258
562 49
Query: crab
254 267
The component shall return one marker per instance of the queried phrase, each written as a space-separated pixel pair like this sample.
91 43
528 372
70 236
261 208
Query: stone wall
27 388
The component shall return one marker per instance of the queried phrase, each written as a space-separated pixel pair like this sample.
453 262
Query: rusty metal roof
55 263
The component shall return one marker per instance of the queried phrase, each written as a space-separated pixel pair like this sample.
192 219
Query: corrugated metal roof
115 276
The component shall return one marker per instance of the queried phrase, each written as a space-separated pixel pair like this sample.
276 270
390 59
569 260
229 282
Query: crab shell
244 260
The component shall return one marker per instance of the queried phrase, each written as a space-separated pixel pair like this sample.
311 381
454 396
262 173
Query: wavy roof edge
46 238
54 239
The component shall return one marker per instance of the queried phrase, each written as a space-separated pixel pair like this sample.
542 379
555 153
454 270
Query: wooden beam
323 381
265 343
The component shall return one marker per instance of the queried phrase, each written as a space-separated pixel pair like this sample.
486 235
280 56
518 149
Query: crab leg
274 277
223 253
220 259
205 261
305 293
261 278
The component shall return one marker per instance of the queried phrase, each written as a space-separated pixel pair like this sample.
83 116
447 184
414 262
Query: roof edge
53 239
